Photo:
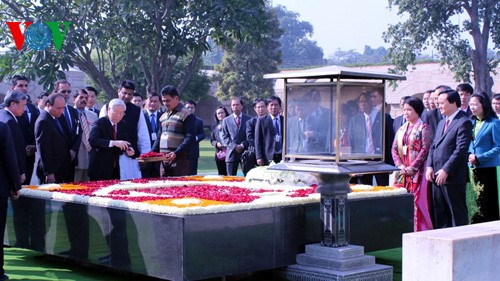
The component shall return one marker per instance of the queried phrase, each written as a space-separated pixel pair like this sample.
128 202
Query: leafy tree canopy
298 50
435 23
143 40
243 67
297 47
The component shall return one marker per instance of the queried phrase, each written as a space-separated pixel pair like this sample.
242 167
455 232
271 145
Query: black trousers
193 166
448 205
232 168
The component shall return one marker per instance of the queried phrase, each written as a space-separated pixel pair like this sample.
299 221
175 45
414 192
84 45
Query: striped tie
86 130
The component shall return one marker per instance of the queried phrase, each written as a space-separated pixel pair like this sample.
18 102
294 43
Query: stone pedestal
467 252
321 263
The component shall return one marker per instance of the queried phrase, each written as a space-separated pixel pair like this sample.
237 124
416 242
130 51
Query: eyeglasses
65 91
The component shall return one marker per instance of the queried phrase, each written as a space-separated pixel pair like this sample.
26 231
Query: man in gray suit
447 163
234 134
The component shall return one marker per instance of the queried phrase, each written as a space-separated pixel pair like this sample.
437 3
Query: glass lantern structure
326 115
334 128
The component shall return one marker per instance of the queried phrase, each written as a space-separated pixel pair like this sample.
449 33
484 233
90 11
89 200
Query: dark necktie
277 148
59 127
68 118
276 127
114 131
153 122
238 121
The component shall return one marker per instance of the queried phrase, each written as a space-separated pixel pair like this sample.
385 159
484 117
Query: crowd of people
55 142
434 143
441 139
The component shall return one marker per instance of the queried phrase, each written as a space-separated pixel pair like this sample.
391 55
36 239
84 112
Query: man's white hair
116 102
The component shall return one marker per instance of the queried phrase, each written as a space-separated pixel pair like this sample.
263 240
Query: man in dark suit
9 185
433 116
194 151
447 163
106 147
234 135
27 125
14 104
56 166
109 139
137 130
29 214
269 134
152 114
53 143
248 160
465 91
70 121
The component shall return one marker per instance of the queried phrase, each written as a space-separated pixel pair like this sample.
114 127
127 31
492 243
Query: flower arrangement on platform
193 195
262 175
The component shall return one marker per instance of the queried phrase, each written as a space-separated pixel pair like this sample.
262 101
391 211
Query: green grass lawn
206 163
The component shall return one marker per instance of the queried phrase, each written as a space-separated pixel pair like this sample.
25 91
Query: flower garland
190 195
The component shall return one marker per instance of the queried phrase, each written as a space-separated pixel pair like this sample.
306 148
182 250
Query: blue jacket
486 144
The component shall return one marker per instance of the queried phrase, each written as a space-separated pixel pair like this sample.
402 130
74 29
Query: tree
432 23
297 47
144 40
243 67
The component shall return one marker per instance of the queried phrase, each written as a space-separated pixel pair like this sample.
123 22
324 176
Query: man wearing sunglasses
71 124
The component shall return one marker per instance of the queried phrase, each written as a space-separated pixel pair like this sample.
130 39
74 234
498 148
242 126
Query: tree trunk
479 56
98 78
